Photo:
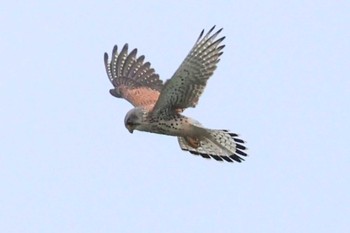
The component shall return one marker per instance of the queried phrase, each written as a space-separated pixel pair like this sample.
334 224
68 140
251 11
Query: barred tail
217 144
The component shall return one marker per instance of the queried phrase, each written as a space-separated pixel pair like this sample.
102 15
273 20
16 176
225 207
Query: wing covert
187 84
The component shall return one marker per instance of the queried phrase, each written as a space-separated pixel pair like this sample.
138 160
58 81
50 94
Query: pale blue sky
67 163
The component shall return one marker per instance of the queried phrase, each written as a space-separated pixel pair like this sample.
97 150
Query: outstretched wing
132 78
187 84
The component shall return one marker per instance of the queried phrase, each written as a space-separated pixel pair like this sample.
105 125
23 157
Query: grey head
135 119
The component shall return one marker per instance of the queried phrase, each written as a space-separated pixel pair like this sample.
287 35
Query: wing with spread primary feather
132 78
187 84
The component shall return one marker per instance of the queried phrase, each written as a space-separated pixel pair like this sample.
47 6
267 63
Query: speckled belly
176 126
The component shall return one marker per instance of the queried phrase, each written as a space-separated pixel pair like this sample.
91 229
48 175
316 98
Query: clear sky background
67 163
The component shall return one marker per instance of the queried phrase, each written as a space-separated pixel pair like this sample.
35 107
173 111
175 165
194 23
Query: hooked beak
130 129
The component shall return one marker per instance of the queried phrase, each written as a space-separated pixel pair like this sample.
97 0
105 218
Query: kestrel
158 107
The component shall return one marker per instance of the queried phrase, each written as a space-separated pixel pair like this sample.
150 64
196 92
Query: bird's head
134 119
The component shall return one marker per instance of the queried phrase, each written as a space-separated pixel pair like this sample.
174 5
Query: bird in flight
158 106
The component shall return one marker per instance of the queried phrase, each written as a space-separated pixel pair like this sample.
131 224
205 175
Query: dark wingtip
236 158
220 30
200 35
133 53
211 29
205 156
241 153
193 152
216 33
216 157
238 140
241 147
227 159
141 58
105 58
232 134
115 49
125 48
218 41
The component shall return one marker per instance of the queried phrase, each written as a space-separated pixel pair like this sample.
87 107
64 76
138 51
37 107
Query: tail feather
220 145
